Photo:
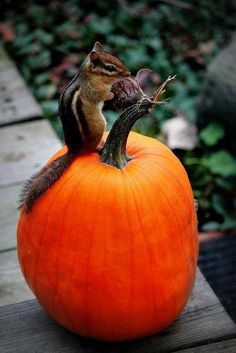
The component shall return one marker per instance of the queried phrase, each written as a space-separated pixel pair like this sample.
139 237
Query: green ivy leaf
211 134
44 37
225 183
221 163
46 91
135 56
22 41
101 25
229 223
219 204
50 107
121 42
42 78
39 61
29 49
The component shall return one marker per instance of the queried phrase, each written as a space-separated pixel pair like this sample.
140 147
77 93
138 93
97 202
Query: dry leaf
7 32
180 133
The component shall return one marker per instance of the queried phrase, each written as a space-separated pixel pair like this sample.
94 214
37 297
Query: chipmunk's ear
94 58
98 47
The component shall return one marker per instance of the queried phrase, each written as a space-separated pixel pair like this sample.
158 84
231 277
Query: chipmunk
80 111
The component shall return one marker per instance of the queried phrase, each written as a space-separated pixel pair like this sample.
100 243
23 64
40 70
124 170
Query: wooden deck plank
13 288
25 327
16 101
9 215
228 346
24 148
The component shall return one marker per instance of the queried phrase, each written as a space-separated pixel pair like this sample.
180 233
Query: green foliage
212 134
221 163
52 40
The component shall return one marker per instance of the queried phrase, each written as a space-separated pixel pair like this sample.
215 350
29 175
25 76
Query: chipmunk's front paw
109 96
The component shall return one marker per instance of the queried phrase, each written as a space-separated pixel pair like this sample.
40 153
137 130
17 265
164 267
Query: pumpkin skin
111 253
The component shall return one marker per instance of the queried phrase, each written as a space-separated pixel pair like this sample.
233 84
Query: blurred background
195 40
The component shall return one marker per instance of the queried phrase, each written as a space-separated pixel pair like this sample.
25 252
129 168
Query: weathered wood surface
24 148
9 215
228 346
26 328
16 102
13 287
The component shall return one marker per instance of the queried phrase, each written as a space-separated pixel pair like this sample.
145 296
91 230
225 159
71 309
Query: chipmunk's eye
110 68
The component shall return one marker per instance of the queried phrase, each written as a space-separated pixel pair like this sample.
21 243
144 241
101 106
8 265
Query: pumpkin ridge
138 217
35 285
148 175
59 246
173 176
160 230
155 147
128 239
172 160
131 255
170 282
67 210
27 232
170 206
53 201
183 190
88 271
190 269
178 181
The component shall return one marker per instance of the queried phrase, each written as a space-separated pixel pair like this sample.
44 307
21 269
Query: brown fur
40 182
82 119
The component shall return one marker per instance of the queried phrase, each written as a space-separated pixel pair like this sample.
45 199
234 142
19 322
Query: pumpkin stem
114 150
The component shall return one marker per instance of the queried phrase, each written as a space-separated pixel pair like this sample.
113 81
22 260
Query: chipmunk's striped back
72 117
82 99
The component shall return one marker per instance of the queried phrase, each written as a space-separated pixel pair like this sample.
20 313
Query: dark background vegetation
49 39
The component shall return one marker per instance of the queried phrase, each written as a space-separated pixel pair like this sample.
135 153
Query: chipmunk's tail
40 182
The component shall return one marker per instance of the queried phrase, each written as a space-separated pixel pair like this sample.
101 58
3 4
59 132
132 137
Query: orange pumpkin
111 253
